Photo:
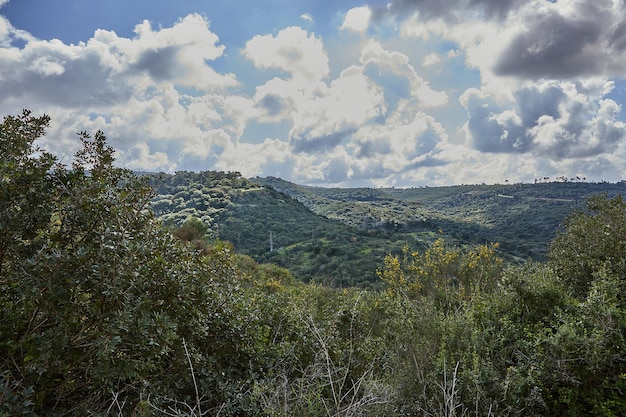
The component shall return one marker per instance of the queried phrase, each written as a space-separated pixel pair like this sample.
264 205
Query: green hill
522 218
340 236
274 228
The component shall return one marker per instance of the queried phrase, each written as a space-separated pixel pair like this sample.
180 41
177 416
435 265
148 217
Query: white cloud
5 30
364 125
404 79
274 101
431 59
413 27
108 70
539 40
139 157
47 67
293 51
372 120
357 19
130 89
567 40
179 54
555 120
265 158
324 120
538 108
307 18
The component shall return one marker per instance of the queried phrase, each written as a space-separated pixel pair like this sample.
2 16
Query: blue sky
351 93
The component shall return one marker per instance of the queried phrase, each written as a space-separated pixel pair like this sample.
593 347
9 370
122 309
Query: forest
340 236
151 295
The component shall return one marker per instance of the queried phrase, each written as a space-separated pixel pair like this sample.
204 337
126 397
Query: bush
591 240
97 298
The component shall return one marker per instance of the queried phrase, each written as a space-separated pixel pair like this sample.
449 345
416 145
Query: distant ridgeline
339 236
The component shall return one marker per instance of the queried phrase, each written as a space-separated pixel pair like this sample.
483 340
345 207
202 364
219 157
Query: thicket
104 311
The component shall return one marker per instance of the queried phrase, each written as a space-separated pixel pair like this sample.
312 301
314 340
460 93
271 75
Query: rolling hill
340 236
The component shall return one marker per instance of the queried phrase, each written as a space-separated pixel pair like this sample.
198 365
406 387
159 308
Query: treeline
104 311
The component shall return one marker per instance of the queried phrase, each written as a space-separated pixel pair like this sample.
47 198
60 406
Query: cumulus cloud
552 119
385 153
544 83
139 157
350 101
52 73
307 17
357 19
270 157
275 100
394 71
384 90
431 59
131 89
178 54
584 39
526 39
109 69
369 117
400 145
449 10
366 124
293 51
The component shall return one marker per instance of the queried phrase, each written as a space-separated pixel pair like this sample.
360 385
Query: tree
25 186
592 240
98 298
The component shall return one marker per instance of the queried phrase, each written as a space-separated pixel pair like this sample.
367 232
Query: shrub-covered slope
273 227
522 218
340 236
104 312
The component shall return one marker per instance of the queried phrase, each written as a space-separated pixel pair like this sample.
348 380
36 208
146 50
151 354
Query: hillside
107 309
523 218
340 236
313 247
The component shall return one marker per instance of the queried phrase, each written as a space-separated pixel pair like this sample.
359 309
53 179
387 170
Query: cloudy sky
326 92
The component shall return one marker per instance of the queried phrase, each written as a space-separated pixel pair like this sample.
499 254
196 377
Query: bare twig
193 377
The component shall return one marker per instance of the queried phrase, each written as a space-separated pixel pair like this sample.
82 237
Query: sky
351 93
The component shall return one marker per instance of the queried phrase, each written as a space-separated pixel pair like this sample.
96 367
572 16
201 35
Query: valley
340 237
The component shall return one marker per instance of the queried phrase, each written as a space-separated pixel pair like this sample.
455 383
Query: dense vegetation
104 311
523 218
310 246
341 236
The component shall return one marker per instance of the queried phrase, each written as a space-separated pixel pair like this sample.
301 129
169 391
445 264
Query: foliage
233 209
340 236
524 344
523 218
444 275
202 196
24 186
105 310
591 240
97 298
